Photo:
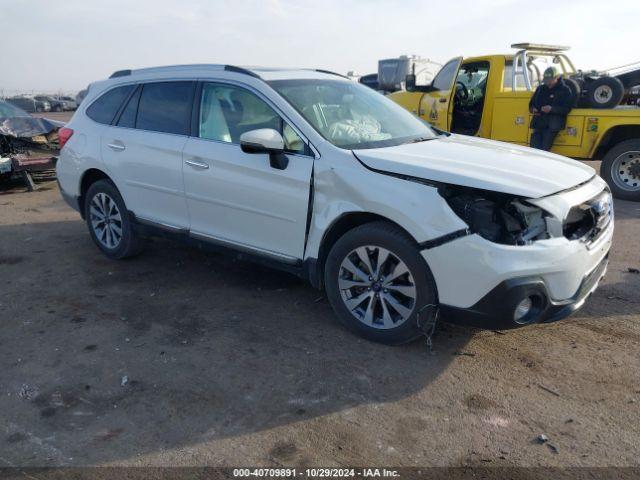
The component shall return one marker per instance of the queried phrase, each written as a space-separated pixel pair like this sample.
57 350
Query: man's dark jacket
560 98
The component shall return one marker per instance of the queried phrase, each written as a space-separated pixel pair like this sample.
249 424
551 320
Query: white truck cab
323 177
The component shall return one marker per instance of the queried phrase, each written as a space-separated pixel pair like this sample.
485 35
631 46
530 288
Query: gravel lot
227 363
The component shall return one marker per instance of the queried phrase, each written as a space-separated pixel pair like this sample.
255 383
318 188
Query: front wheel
379 285
621 170
109 223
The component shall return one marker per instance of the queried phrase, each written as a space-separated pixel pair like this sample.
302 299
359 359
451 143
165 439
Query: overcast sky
65 44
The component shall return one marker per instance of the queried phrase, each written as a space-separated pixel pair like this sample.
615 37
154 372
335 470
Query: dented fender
343 186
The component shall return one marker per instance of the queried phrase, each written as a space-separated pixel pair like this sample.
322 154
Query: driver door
436 105
238 198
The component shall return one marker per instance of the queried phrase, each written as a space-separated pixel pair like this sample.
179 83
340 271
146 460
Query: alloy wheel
106 220
377 287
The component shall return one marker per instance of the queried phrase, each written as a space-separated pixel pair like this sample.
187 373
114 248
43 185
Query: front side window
227 111
444 78
350 115
106 106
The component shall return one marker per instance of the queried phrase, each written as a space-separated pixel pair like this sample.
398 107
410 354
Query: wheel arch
613 136
340 226
89 177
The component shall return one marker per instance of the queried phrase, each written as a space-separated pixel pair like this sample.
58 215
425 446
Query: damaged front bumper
496 309
497 285
481 283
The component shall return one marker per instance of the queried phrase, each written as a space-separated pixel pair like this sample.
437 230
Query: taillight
64 134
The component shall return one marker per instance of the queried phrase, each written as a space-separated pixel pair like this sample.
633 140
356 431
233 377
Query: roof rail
120 73
233 68
320 70
228 68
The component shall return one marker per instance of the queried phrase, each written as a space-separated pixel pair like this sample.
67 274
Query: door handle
118 147
443 100
196 164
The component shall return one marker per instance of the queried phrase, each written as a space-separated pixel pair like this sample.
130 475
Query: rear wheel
379 285
621 170
108 221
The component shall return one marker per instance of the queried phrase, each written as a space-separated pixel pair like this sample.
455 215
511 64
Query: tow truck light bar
540 47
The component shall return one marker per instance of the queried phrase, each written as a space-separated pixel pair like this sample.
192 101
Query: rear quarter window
165 107
106 106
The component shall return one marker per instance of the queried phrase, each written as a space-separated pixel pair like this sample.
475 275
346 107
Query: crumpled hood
480 163
27 127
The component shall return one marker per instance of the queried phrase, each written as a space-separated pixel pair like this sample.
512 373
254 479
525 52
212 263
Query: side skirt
302 269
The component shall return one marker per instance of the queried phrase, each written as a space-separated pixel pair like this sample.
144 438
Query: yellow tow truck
488 97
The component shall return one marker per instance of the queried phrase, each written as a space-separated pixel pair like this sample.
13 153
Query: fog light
523 309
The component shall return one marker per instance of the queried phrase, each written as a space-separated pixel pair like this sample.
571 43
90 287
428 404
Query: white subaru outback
323 177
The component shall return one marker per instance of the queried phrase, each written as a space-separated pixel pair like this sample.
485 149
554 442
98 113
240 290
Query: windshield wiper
420 139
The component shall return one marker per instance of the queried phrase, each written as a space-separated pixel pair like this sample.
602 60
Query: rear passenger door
237 197
144 147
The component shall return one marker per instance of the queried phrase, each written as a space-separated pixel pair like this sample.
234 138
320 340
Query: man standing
550 105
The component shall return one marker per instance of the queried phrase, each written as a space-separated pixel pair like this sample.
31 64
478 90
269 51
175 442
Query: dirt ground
180 357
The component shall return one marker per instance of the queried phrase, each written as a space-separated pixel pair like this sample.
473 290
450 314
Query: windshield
352 116
8 111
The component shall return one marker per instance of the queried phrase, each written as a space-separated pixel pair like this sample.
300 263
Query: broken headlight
497 217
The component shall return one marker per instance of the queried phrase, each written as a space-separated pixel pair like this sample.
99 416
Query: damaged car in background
307 171
28 145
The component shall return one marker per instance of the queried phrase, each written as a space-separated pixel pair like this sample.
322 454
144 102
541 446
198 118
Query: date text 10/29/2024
315 473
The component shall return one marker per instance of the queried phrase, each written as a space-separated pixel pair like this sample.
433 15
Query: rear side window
105 107
165 107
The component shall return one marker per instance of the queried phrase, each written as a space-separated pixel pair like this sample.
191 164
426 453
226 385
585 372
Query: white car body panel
240 200
559 205
343 186
469 267
147 167
483 164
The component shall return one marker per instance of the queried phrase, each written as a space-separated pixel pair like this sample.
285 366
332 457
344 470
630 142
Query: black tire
130 243
623 162
57 108
576 90
604 92
403 247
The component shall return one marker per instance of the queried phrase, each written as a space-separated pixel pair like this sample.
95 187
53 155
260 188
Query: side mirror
265 140
410 82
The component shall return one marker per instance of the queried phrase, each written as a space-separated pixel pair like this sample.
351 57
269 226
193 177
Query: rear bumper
71 200
496 309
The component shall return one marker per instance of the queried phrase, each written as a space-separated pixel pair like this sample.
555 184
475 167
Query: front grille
590 219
